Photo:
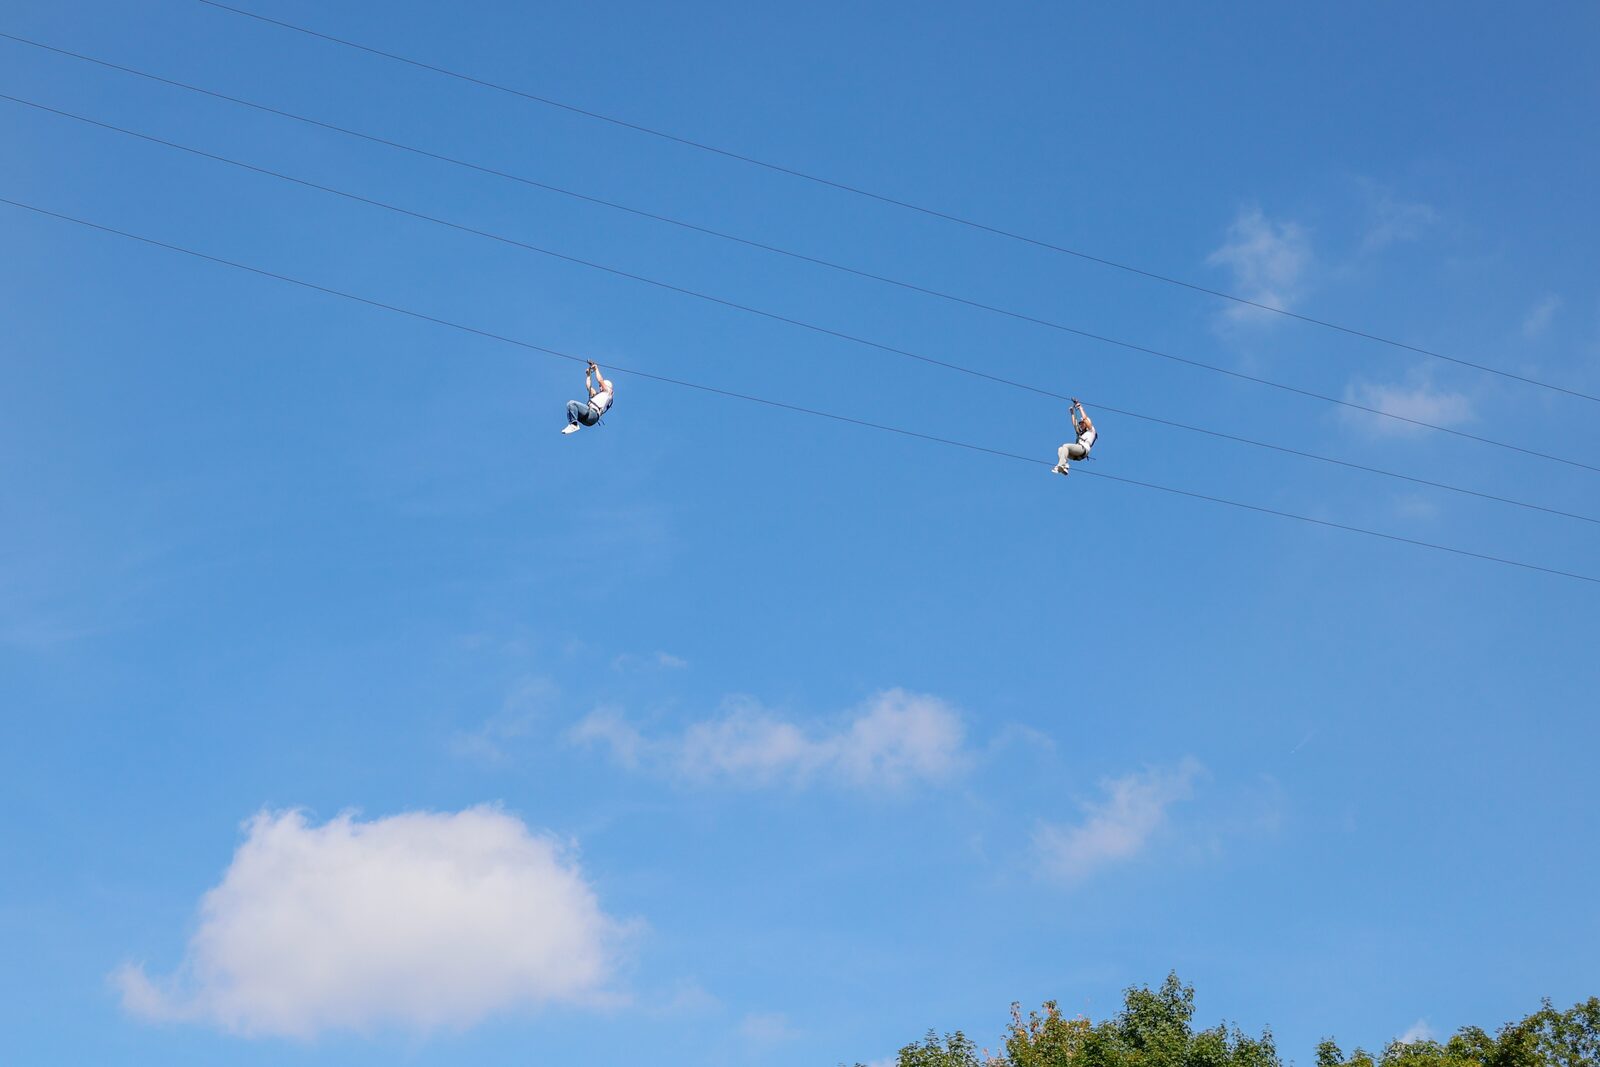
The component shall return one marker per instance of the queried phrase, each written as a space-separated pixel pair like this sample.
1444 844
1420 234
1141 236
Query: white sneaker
1060 468
570 427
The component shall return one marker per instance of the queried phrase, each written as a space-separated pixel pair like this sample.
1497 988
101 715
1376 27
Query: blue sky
784 740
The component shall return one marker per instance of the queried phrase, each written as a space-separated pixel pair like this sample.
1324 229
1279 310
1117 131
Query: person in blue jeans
587 413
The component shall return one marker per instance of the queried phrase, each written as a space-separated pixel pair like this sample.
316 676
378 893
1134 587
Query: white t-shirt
601 401
1086 439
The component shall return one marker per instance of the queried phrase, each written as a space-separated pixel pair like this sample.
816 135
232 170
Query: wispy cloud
767 1028
521 710
610 729
685 997
1417 399
1119 826
1394 221
1540 317
1268 260
421 920
1417 1031
1415 506
665 661
892 740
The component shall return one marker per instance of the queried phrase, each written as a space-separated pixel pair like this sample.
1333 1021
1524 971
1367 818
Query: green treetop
1155 1028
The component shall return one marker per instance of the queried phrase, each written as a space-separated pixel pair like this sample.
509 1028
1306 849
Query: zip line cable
1128 345
584 197
730 394
1346 463
875 344
1019 385
906 205
1099 338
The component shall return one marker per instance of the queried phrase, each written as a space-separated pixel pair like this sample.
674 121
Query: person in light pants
1083 426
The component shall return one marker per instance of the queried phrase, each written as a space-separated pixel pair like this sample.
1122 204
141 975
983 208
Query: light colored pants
1072 450
581 411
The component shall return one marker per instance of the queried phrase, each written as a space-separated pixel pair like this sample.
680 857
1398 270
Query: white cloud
1418 1031
1268 261
1419 400
1118 827
752 745
420 920
1539 319
893 739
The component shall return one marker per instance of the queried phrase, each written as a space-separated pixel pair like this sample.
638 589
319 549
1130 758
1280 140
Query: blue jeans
580 411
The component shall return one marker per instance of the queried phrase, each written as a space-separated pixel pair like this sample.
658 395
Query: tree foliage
955 1051
1155 1028
1547 1038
